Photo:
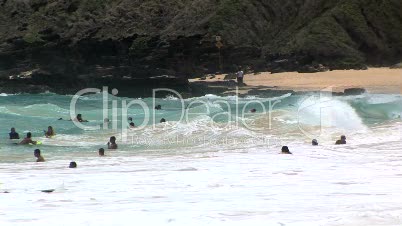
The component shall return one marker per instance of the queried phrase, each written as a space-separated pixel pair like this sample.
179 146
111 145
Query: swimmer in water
285 150
162 120
38 156
106 122
79 118
253 110
112 143
158 107
13 134
132 125
341 141
28 139
101 152
50 132
72 165
314 142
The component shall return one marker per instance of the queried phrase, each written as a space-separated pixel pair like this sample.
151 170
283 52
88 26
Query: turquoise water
214 167
207 118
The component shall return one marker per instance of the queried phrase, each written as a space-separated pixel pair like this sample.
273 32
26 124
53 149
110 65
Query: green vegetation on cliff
177 36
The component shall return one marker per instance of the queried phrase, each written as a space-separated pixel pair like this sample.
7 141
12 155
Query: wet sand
374 80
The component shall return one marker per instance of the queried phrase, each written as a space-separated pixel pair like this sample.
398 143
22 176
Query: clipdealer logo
235 112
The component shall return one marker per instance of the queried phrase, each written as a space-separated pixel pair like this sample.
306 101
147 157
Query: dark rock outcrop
396 66
354 91
76 42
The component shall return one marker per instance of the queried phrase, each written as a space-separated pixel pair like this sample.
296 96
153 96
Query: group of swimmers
14 135
110 145
112 141
39 158
314 142
113 145
131 124
101 152
28 139
78 118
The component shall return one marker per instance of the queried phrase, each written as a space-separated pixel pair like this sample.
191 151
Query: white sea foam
206 172
324 185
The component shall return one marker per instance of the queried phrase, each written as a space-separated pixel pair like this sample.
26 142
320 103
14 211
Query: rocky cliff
76 42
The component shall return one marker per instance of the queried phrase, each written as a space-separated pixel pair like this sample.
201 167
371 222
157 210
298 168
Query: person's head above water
314 142
130 119
342 140
162 120
37 153
253 110
132 125
285 150
72 165
79 117
13 134
101 152
112 143
158 107
38 156
50 132
29 135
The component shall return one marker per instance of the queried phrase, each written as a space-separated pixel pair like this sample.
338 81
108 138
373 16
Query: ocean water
213 166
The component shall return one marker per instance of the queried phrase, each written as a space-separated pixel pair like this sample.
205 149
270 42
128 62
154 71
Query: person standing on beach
13 134
240 76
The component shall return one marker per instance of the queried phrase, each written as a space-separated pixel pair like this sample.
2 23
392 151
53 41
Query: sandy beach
374 80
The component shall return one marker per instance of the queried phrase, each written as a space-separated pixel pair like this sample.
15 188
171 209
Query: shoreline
372 80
